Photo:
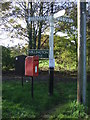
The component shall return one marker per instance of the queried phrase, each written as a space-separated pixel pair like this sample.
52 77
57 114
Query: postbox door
31 66
28 66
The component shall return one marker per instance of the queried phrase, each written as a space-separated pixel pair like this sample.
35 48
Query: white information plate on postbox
35 69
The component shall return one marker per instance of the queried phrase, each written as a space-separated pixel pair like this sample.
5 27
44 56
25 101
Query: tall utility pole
81 80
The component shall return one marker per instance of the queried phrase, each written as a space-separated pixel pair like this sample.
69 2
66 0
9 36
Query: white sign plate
59 14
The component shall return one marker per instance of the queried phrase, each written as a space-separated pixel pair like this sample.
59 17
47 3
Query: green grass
71 109
18 103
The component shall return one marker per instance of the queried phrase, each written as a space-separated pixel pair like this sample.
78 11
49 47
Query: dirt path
43 76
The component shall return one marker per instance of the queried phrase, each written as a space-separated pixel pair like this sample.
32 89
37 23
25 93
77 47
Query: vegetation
72 110
7 59
65 48
64 54
18 103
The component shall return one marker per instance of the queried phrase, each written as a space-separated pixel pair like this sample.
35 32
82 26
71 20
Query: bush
73 110
7 60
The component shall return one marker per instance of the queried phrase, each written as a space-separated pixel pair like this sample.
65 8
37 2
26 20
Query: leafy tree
7 60
33 33
64 52
10 17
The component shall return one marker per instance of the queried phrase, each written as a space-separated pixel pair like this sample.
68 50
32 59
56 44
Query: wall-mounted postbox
31 65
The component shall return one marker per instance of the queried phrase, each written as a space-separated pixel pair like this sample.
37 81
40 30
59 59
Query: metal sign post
51 19
32 88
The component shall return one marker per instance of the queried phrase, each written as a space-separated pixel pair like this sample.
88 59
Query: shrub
73 110
7 60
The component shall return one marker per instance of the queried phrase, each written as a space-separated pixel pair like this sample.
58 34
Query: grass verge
18 103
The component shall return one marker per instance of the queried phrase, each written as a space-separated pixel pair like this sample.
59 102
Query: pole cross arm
38 18
64 19
56 17
44 18
59 14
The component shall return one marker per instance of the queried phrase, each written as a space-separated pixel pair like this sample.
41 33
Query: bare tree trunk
88 56
79 79
40 25
76 52
34 36
30 25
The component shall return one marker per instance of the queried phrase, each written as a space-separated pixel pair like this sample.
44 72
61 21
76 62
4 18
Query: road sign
58 14
46 18
51 19
41 53
65 19
38 18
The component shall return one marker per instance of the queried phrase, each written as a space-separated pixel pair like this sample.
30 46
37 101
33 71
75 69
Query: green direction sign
41 53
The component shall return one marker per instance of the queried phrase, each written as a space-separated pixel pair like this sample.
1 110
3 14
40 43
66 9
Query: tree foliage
34 33
7 60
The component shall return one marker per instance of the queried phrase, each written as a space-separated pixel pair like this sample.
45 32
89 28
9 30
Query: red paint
31 65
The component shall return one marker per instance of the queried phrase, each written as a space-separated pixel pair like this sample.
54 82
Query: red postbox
31 65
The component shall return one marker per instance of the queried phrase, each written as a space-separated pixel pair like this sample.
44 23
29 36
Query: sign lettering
41 53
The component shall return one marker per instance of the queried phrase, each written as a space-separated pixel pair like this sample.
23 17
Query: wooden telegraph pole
81 80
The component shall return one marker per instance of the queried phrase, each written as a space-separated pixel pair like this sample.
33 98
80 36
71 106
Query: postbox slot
35 60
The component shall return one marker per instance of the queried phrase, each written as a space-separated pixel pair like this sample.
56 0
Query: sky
44 0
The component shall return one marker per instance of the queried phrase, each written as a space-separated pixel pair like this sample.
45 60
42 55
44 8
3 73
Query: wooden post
81 80
84 50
